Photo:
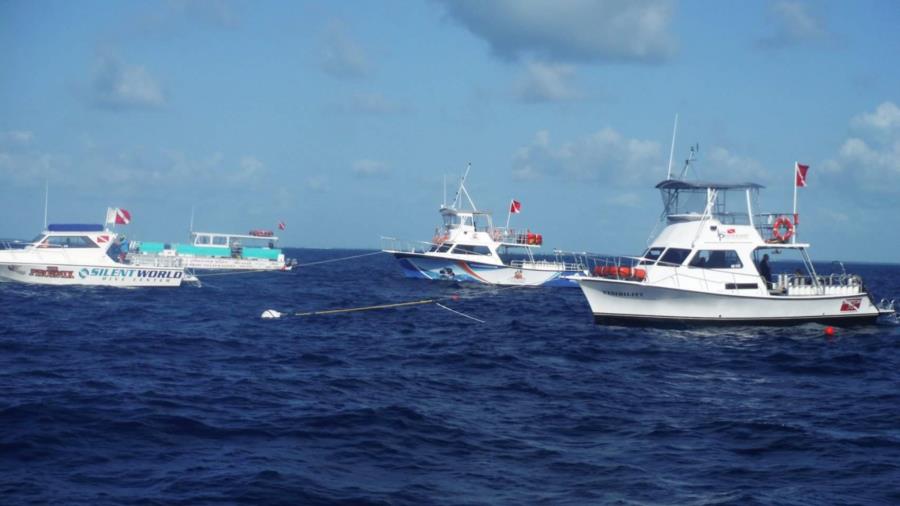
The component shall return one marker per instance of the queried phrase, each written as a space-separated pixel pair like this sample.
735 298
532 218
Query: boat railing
831 284
516 236
407 246
156 261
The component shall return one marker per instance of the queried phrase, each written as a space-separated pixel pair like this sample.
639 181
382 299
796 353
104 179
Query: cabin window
445 247
467 221
716 259
482 223
70 241
473 250
651 255
202 239
469 249
219 241
674 256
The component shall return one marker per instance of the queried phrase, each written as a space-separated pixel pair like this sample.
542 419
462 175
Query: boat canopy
695 200
677 184
74 227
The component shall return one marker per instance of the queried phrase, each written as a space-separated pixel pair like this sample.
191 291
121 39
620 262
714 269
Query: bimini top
74 227
677 184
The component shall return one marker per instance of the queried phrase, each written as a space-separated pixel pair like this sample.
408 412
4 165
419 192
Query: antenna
687 163
672 148
444 202
192 220
46 199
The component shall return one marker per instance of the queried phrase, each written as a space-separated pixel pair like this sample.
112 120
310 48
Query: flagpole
796 173
509 213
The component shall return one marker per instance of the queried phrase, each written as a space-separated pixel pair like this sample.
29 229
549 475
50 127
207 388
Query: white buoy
270 313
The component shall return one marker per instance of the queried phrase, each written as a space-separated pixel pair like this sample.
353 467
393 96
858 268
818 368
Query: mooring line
458 312
339 259
271 313
366 308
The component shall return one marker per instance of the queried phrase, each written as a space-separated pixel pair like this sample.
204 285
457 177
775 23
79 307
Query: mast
46 199
672 148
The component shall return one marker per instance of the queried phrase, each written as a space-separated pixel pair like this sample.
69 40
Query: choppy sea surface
187 396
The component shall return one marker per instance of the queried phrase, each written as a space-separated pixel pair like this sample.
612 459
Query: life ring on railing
782 222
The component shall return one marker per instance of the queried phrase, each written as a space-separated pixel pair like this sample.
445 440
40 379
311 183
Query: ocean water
187 396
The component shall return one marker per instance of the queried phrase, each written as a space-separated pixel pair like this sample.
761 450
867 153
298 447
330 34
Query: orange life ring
782 222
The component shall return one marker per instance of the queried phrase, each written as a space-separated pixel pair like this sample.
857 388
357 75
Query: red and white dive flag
515 207
117 216
800 171
281 225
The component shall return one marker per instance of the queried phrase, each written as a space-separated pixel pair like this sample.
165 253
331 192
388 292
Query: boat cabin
713 241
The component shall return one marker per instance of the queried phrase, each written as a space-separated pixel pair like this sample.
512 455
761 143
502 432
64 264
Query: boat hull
617 302
211 263
90 275
426 267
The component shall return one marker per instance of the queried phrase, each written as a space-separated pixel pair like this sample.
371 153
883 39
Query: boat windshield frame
696 200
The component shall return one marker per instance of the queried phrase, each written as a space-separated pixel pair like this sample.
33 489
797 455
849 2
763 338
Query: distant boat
79 254
468 247
705 267
255 251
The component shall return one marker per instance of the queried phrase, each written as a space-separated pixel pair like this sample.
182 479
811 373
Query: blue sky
342 118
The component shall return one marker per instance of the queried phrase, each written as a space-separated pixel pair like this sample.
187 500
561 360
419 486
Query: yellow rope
366 308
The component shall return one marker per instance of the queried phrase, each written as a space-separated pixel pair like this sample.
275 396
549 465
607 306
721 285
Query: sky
343 119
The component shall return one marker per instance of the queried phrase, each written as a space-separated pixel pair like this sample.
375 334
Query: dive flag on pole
118 216
515 207
801 174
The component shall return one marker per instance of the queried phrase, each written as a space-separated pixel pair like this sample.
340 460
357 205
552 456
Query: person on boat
115 249
765 271
123 249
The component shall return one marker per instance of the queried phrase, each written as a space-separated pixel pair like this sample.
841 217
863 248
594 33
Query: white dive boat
468 247
76 254
702 268
254 251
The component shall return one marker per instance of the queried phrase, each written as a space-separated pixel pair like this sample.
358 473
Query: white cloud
605 155
369 168
884 121
793 24
871 157
340 56
546 82
722 165
131 168
16 137
117 85
249 169
571 30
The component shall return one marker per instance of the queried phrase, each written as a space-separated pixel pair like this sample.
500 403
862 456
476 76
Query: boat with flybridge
467 246
710 264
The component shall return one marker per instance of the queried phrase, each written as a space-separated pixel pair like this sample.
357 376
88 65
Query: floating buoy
829 331
270 314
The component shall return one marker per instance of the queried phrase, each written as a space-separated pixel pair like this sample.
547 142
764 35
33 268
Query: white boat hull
90 275
211 263
437 268
619 302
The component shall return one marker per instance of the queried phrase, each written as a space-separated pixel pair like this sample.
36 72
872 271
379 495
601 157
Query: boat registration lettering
128 273
51 272
622 294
